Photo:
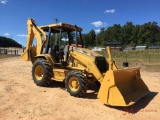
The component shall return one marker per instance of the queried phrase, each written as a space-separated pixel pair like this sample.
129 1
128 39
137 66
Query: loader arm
88 63
38 33
87 58
112 65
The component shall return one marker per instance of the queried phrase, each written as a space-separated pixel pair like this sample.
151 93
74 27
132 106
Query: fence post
6 51
126 56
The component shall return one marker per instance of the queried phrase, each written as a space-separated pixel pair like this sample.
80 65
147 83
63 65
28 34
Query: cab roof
64 26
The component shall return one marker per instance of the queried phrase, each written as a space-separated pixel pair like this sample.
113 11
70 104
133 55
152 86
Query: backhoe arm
38 33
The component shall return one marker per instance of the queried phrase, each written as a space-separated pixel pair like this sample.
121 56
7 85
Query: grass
147 59
152 68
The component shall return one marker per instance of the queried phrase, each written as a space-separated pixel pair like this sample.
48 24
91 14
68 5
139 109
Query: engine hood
86 52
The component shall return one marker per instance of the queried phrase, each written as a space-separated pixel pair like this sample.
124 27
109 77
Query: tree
101 38
113 33
129 34
89 39
8 42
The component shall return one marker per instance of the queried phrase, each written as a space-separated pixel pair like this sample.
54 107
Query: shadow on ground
138 106
92 94
91 91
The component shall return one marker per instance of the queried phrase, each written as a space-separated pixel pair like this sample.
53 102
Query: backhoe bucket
122 87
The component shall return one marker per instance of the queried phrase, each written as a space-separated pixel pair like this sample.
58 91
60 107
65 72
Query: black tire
42 73
76 83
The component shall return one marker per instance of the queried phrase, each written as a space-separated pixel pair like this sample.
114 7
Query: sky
88 14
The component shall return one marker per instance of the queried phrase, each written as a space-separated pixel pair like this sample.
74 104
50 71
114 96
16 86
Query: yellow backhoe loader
78 66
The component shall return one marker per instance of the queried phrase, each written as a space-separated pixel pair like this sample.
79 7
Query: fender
48 57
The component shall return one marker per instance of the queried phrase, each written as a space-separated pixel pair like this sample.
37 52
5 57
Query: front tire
76 83
42 73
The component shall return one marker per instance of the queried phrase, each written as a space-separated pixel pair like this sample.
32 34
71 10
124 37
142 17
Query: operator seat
53 51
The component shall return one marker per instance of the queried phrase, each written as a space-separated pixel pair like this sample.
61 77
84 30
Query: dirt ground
21 99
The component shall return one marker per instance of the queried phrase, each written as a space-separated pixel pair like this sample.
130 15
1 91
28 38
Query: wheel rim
39 72
73 84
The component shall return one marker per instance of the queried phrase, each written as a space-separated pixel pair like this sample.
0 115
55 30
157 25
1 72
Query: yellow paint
118 87
122 87
59 74
73 84
39 72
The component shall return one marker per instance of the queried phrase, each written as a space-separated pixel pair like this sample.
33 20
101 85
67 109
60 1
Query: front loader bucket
122 87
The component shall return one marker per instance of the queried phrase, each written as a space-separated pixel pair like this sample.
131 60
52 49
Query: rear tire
76 83
42 73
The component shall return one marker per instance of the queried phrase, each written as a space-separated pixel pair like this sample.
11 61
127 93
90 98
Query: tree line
8 42
128 34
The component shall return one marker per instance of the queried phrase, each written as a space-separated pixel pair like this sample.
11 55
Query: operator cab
59 38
